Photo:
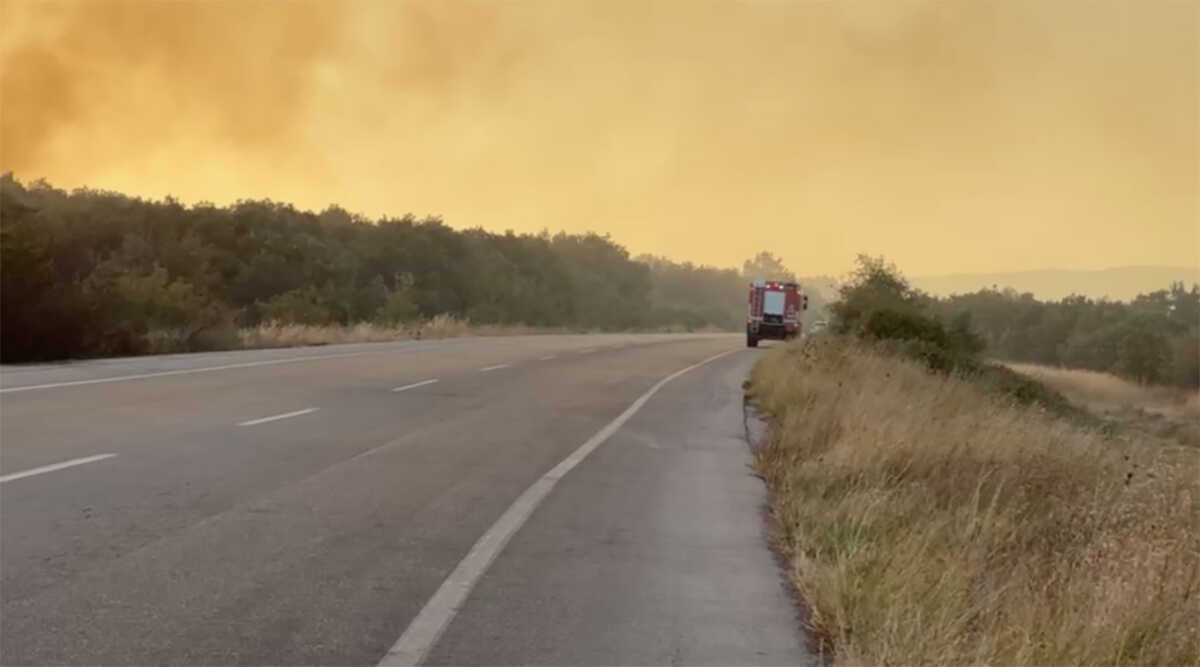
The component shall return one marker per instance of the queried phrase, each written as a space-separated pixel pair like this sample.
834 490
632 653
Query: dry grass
1102 391
277 334
282 334
1160 411
928 521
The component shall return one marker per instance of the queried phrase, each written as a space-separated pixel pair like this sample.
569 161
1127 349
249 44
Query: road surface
477 501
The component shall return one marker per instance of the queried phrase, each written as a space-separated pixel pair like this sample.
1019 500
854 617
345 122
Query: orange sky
950 136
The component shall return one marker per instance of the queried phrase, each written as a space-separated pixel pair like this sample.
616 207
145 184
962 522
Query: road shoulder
652 551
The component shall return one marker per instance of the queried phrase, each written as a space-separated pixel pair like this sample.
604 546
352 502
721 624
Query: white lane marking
182 371
414 385
547 357
55 466
272 418
424 631
587 350
493 368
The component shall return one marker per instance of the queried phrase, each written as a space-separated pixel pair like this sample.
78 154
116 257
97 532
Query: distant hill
1121 283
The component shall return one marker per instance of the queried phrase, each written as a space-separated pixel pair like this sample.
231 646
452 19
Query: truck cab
774 311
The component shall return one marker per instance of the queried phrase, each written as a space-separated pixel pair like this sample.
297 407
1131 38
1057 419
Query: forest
89 273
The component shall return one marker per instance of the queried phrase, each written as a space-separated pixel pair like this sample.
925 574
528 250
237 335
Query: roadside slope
927 519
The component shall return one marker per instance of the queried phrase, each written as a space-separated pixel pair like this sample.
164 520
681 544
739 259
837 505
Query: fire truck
774 312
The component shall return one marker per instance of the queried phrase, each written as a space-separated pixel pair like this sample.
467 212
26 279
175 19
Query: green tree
766 266
874 285
1185 359
1143 351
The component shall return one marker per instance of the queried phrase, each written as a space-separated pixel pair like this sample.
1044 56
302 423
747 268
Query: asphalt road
313 506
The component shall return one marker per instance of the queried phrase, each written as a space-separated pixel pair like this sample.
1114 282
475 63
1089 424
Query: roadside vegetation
1153 339
278 334
1103 392
282 334
935 508
1162 411
90 273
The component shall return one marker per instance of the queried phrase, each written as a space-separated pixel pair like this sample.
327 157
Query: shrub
879 305
301 306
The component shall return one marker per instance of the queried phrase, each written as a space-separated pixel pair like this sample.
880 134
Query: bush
891 324
875 285
879 305
301 306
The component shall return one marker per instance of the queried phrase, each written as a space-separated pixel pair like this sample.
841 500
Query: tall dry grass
927 520
1164 412
280 334
284 334
1102 391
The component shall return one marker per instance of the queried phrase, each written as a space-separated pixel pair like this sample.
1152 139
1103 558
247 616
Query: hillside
1120 283
926 518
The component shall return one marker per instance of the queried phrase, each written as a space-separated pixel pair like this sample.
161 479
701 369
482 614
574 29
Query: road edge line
54 466
181 371
424 631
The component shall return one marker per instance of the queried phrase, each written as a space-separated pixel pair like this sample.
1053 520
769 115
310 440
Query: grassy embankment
931 518
1161 411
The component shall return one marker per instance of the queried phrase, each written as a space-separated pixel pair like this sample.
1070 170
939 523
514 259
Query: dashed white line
493 368
272 418
182 371
414 385
424 631
56 466
587 350
547 357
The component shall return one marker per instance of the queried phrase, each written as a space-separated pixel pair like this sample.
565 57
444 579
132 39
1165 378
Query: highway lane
218 535
651 555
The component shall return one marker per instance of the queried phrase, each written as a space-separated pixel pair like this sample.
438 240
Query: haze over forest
951 137
1120 284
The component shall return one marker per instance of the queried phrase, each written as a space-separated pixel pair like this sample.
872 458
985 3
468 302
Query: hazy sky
950 136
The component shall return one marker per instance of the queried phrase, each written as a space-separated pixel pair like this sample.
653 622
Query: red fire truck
774 312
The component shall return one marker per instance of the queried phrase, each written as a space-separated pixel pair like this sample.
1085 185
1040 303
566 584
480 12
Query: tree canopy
94 273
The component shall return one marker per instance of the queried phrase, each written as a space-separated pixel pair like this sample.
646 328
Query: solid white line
273 418
414 385
182 371
546 358
492 368
55 466
424 631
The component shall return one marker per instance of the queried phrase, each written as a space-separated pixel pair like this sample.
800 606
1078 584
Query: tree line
1155 338
94 273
